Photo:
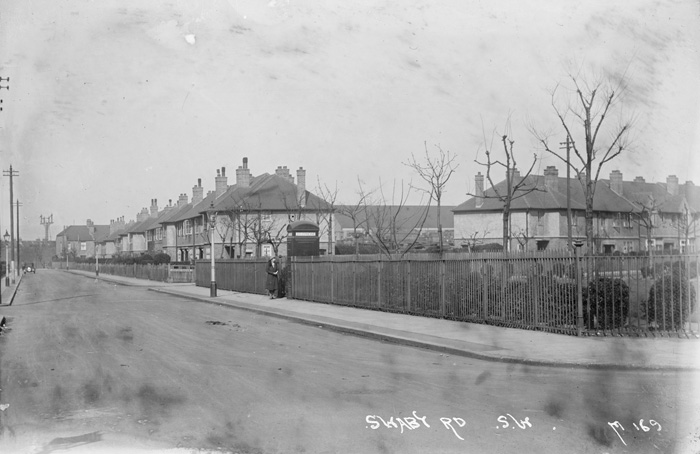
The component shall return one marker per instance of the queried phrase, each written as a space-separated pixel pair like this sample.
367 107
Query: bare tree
436 172
390 227
324 214
585 110
516 186
357 213
646 218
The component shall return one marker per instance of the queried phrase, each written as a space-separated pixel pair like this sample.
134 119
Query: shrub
671 299
161 258
606 303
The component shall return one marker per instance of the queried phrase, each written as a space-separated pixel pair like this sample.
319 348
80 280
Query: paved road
94 367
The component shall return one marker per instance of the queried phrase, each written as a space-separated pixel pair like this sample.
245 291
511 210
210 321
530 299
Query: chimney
182 200
154 208
639 180
301 187
672 184
479 189
89 223
516 175
243 175
283 172
616 182
220 182
143 215
551 178
197 192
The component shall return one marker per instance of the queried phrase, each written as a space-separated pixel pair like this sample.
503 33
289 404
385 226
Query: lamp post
211 217
6 237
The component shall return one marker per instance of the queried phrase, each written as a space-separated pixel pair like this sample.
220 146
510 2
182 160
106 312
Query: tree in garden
586 110
324 214
391 228
436 172
516 186
357 213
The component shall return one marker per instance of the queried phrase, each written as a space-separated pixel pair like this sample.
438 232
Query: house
538 219
80 240
253 214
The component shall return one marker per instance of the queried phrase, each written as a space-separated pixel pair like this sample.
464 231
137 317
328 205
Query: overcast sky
114 103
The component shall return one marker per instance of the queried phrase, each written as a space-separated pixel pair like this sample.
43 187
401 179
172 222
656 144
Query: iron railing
620 295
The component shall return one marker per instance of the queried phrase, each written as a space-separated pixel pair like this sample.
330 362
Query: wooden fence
162 273
243 275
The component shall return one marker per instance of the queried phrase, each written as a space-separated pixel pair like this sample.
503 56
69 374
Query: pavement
8 295
448 337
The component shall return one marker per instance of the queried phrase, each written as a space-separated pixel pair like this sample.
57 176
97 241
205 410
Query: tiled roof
269 193
605 199
81 233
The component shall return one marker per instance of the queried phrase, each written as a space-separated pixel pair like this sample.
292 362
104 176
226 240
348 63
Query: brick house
81 240
538 219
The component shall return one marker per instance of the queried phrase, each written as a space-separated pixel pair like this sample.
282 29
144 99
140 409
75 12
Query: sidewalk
455 338
8 295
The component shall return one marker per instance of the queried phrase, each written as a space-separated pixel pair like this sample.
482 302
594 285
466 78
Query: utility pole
12 173
7 264
6 87
568 145
18 241
46 222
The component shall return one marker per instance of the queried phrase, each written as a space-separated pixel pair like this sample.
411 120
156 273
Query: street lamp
6 237
211 217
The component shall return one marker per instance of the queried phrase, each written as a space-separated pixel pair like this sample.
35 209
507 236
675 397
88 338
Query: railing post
379 282
484 289
354 283
579 295
443 265
332 281
408 285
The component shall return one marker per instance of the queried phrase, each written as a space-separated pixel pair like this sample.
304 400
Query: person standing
272 275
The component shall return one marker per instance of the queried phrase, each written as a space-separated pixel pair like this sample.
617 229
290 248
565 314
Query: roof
192 210
81 233
605 199
406 215
268 193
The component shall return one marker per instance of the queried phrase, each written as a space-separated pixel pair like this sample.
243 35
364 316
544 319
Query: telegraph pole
18 242
567 145
46 222
6 87
12 173
7 265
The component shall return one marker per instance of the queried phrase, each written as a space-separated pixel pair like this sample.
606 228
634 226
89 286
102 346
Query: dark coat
271 281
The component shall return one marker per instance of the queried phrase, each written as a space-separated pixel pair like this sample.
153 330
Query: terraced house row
250 219
629 216
253 213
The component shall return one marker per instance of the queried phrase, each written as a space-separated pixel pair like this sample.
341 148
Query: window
83 246
187 225
626 220
159 233
616 220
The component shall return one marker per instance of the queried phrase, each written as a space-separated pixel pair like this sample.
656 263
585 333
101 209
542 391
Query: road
89 366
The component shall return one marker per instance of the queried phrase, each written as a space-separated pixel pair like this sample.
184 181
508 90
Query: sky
113 103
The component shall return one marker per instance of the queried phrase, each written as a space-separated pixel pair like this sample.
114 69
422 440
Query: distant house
539 219
409 223
80 240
